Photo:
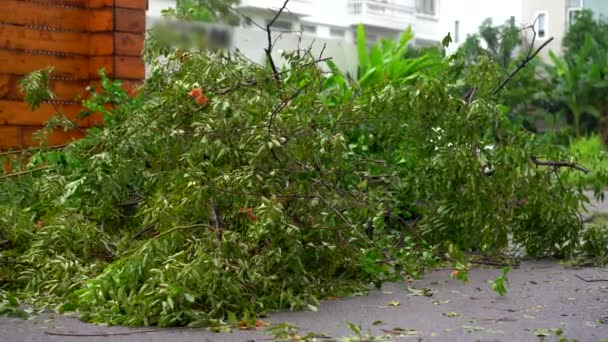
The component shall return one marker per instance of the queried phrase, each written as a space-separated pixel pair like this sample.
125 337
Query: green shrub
591 153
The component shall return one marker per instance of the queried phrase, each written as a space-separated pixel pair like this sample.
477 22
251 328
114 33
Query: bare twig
558 164
529 56
590 280
521 66
322 50
270 44
126 333
284 104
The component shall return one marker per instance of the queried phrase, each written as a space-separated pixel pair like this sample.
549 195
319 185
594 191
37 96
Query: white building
463 17
156 6
338 19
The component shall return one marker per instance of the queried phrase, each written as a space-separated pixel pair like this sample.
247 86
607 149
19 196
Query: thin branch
252 82
558 164
248 18
52 333
590 280
529 56
521 66
21 173
144 230
284 104
33 149
322 50
269 35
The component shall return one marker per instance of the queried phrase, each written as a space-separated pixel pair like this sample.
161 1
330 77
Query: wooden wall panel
130 20
64 90
16 113
21 63
10 136
25 38
133 4
73 3
35 14
76 38
56 138
129 44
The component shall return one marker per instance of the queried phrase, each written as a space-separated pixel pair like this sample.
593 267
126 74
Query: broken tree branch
590 280
521 66
557 164
268 49
21 173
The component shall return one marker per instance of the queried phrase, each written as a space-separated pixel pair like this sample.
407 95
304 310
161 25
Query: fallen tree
225 190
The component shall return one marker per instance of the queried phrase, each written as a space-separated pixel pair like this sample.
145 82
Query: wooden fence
77 38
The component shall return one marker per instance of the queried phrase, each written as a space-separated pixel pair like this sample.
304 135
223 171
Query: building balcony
294 7
392 14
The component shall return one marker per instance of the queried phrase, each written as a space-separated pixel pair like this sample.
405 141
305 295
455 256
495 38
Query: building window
572 15
309 29
457 31
356 8
427 7
541 25
336 32
370 38
280 25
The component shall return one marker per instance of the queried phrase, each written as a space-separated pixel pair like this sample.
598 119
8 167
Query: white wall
251 43
156 6
471 13
555 11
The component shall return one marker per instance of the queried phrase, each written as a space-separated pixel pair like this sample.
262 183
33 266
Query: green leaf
446 41
353 328
12 300
364 62
232 319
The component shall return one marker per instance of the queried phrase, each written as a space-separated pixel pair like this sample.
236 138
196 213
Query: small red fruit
196 93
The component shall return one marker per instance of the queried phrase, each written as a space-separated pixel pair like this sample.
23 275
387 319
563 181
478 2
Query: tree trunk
603 125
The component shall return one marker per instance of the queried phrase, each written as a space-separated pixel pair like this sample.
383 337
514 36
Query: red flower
202 100
249 211
196 93
454 273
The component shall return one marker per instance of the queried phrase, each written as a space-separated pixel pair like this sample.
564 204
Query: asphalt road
544 298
